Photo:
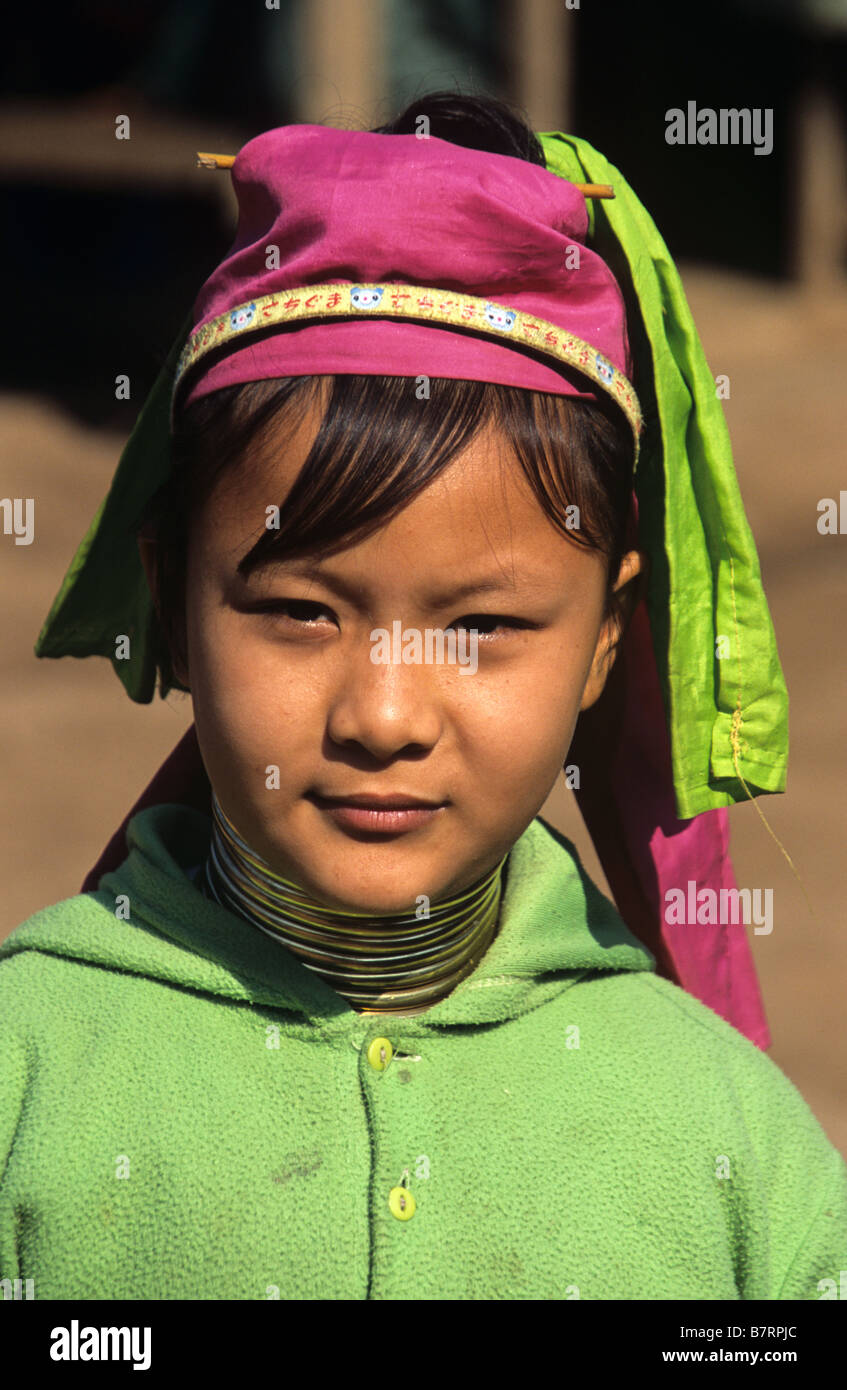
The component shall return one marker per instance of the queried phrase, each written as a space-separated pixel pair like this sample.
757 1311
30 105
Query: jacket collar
555 927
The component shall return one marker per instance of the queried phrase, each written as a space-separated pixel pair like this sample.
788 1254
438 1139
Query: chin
357 876
372 889
371 899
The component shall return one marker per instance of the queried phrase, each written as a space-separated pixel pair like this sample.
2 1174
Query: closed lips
397 802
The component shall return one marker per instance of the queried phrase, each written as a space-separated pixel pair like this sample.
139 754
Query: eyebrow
309 569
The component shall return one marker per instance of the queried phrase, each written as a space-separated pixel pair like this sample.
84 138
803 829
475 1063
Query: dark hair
378 447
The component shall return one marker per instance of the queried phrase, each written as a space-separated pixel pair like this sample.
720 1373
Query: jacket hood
555 928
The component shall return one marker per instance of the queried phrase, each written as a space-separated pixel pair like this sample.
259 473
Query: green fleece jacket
186 1112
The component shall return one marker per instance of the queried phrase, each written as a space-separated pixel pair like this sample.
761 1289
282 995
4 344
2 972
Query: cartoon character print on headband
365 299
243 316
605 368
503 319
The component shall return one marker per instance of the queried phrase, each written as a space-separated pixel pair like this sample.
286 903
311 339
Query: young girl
339 1015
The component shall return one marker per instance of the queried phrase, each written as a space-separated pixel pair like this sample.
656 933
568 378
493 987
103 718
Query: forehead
480 504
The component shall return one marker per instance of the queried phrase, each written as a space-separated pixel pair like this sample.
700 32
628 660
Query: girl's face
290 708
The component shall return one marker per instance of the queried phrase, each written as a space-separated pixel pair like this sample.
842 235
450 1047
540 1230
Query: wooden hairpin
226 161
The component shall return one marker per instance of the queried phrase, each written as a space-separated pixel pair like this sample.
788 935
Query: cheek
521 720
247 705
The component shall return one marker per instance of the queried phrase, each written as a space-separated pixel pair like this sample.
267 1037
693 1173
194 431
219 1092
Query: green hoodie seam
814 1221
658 982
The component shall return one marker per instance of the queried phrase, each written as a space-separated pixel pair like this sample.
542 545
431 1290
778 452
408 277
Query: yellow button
380 1053
401 1203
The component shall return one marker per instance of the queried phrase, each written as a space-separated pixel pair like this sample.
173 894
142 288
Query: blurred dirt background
76 752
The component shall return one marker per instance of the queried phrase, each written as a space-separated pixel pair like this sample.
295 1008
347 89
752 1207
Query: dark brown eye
298 610
486 623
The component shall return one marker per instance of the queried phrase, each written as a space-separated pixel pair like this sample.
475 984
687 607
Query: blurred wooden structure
820 207
346 83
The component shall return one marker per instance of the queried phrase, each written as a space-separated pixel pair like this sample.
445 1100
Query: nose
385 707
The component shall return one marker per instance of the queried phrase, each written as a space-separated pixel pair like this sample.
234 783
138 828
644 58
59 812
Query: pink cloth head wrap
345 207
